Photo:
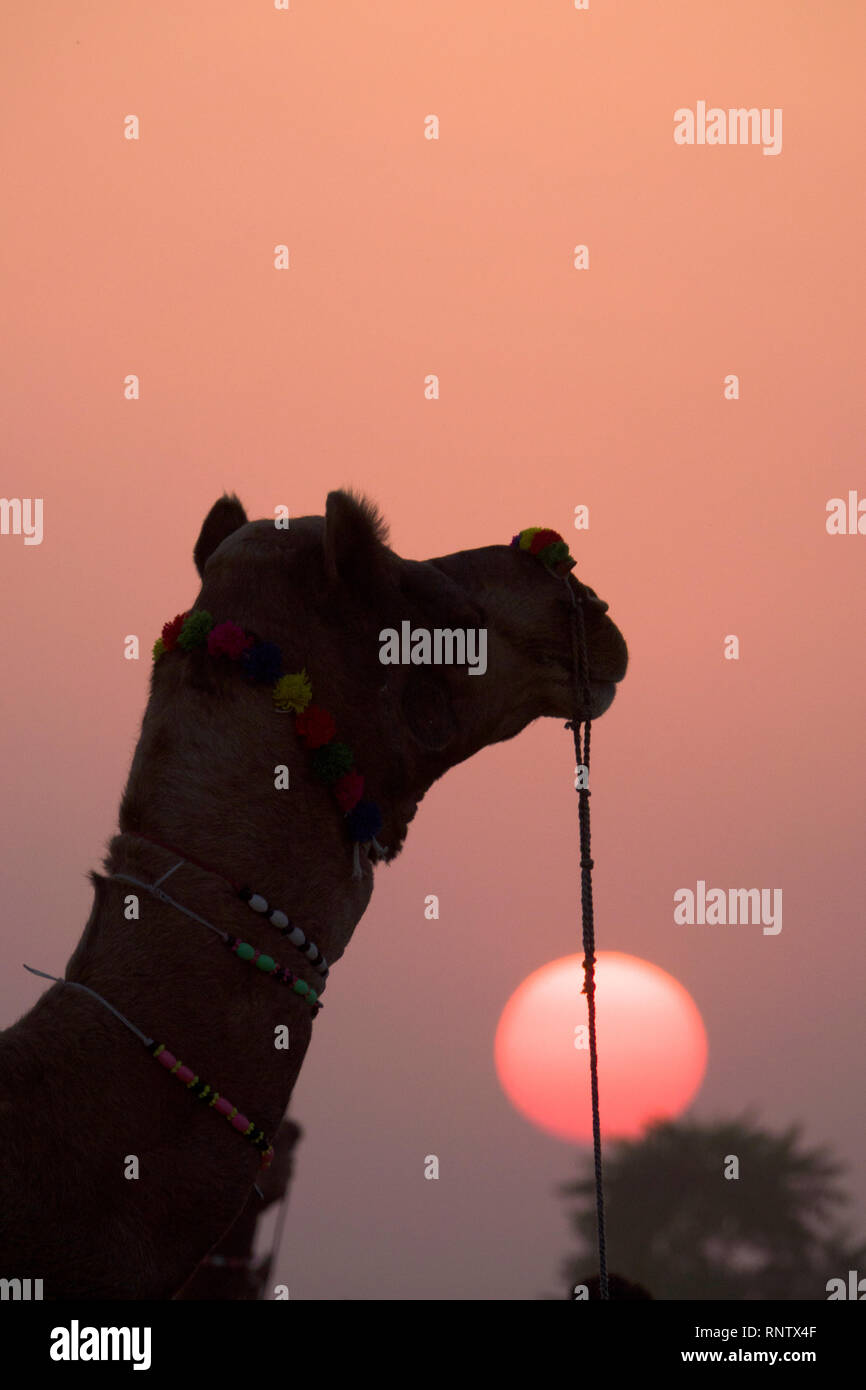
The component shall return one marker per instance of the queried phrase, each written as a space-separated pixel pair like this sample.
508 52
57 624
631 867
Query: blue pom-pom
365 821
263 662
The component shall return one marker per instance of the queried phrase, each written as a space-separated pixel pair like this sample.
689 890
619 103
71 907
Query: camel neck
305 951
242 1033
175 980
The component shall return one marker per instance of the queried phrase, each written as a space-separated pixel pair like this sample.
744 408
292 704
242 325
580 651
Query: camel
115 1184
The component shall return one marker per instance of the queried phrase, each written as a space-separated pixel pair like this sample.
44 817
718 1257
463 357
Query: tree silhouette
682 1229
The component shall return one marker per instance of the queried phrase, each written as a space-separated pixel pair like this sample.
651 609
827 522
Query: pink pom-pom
184 1073
223 1105
167 1060
228 639
240 1122
348 790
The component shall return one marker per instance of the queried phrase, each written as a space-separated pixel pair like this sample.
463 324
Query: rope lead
581 664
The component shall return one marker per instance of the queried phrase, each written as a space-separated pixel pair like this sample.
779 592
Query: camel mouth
603 694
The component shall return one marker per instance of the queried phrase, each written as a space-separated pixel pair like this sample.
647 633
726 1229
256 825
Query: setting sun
652 1047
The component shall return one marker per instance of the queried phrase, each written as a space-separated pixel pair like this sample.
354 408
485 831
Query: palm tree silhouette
682 1229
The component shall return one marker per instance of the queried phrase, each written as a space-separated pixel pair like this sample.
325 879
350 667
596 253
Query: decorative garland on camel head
547 546
332 761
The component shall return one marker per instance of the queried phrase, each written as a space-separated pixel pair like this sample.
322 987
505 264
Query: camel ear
355 540
224 517
428 710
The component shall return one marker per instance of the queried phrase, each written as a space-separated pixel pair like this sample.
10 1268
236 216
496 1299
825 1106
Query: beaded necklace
242 949
258 904
193 1083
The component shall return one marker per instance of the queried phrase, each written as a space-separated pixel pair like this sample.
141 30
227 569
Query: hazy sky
558 387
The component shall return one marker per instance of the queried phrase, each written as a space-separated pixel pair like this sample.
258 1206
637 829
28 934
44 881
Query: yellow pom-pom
293 692
158 648
527 536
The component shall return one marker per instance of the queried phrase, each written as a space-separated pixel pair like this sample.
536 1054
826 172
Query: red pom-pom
348 790
228 639
542 539
315 726
171 631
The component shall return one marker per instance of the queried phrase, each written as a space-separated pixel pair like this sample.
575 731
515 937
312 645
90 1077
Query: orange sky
558 387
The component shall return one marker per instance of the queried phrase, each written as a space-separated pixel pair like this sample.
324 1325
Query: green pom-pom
265 963
246 951
332 761
553 553
195 630
301 987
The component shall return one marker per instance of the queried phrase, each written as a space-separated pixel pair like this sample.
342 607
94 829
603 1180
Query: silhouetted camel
115 1184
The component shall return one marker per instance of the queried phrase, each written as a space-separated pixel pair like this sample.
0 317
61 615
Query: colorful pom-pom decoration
547 546
228 639
171 631
541 539
195 629
557 558
525 538
293 692
263 662
365 821
332 761
348 790
315 726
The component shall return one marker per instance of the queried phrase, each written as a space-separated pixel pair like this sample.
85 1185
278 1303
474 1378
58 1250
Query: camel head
328 590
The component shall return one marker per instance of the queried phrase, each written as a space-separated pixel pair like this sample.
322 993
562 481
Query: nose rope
580 672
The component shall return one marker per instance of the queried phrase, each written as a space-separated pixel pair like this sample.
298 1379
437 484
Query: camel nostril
592 598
